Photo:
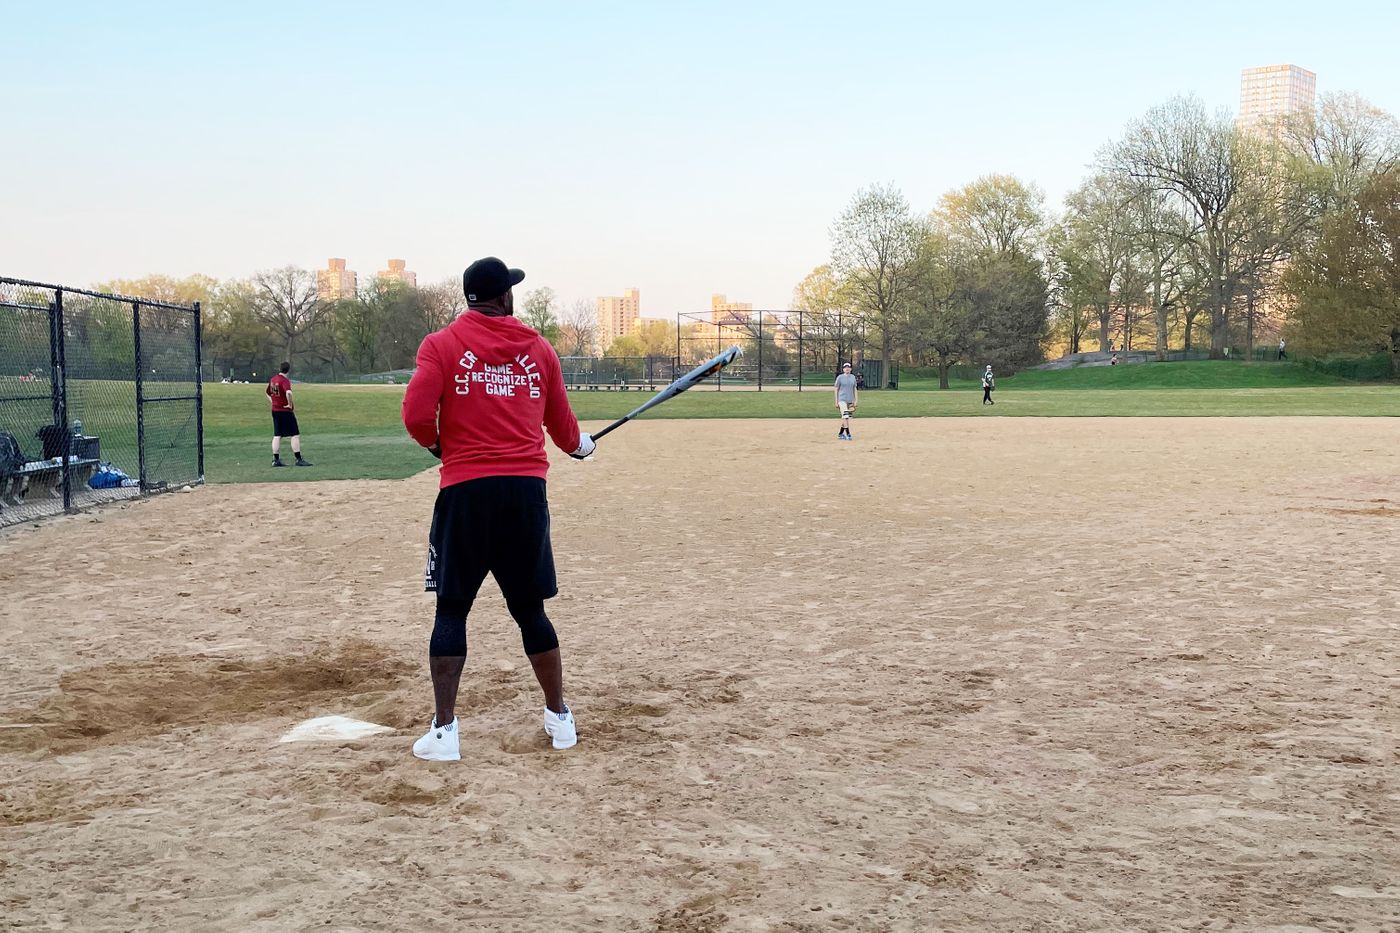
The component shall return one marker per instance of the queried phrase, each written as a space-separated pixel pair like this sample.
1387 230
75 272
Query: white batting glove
585 447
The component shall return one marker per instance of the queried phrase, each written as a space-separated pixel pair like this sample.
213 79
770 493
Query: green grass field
353 432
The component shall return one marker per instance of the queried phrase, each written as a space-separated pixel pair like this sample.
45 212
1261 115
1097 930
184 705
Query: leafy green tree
996 214
942 326
235 341
828 324
995 231
1097 250
357 325
1346 283
626 345
875 246
538 312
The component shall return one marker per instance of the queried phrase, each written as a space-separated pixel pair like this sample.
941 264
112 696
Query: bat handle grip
616 424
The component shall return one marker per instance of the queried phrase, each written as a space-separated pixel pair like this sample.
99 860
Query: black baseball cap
489 278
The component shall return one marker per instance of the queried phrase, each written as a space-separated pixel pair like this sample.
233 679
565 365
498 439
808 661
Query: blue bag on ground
107 476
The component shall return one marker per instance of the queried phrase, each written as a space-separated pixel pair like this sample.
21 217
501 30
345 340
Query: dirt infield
958 674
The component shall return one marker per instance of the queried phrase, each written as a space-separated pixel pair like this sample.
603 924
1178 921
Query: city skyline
657 169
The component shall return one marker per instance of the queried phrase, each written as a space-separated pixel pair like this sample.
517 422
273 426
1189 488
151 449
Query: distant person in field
1282 353
989 383
847 394
284 417
486 389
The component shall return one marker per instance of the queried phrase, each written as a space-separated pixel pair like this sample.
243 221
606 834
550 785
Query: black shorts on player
497 525
284 424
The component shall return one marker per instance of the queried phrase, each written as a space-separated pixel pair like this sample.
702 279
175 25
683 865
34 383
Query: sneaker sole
456 757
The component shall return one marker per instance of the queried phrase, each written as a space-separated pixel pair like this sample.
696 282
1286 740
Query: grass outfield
353 432
1196 374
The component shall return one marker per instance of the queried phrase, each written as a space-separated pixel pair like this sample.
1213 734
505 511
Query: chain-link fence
784 349
617 372
100 398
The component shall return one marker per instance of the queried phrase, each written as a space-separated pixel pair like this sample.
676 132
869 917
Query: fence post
760 351
140 393
199 388
799 351
58 364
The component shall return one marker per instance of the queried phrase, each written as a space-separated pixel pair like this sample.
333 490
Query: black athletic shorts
497 525
284 424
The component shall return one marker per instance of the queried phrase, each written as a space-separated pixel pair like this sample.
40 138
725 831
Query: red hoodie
482 389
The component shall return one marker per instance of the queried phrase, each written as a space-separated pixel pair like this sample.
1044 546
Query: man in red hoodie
482 388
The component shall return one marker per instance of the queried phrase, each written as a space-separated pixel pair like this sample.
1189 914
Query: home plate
332 729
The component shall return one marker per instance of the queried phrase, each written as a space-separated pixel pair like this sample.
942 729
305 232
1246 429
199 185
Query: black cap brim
516 277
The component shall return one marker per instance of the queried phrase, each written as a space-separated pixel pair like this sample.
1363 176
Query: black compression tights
450 627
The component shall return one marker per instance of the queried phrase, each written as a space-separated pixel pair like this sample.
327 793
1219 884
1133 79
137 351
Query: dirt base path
960 674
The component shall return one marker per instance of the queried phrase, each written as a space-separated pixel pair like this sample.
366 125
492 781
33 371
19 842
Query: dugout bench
43 479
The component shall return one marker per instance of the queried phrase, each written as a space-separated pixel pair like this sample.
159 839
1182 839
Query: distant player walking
989 383
284 418
846 397
483 387
1282 351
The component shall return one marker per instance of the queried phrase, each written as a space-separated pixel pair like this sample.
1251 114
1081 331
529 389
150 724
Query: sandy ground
1001 674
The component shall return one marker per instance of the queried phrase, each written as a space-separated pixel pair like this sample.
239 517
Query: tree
1070 318
404 322
357 325
1179 150
164 288
1160 233
994 228
875 247
578 328
286 301
997 214
442 303
626 345
1347 141
825 317
537 311
1097 250
235 341
1244 199
1346 284
942 324
657 337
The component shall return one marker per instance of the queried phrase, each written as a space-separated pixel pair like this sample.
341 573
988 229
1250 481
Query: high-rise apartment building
724 311
398 272
617 317
335 281
1274 91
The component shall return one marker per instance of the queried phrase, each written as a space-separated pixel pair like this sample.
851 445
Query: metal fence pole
58 356
199 388
799 351
760 351
140 393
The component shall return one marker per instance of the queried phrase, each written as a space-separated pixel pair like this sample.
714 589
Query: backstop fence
100 398
785 348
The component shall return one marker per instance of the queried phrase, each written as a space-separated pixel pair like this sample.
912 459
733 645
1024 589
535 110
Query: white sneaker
439 743
561 727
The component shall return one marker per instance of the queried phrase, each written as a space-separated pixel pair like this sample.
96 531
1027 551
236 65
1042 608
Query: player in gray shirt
846 398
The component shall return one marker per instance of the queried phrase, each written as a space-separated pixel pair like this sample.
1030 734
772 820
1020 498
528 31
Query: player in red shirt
284 419
483 387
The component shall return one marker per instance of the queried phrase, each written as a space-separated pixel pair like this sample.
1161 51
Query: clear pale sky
681 148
